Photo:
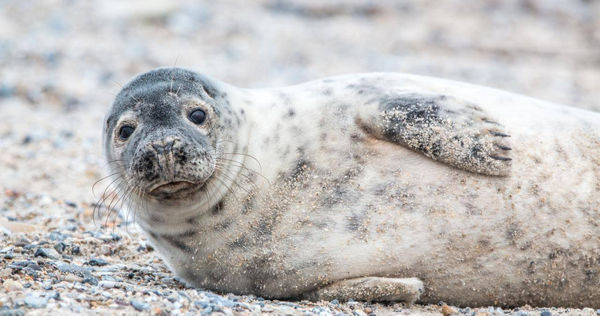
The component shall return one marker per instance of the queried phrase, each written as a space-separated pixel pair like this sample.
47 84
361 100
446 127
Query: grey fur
443 129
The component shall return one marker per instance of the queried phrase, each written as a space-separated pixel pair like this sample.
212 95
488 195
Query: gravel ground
62 62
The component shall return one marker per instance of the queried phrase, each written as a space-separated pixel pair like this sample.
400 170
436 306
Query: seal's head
164 133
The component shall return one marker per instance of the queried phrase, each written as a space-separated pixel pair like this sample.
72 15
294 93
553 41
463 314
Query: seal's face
160 135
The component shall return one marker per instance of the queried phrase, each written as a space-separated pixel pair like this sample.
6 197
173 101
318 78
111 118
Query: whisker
100 180
103 199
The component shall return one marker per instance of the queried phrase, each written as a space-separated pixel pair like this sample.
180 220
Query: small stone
97 262
75 251
73 268
209 310
267 309
46 253
107 284
335 302
447 310
57 236
45 200
25 264
34 301
545 313
12 312
21 243
139 305
90 280
60 247
69 203
29 246
70 278
27 139
11 285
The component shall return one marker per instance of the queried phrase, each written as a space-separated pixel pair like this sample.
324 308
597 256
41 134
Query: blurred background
62 61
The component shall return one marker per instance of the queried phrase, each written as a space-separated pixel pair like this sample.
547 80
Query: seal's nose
160 158
164 146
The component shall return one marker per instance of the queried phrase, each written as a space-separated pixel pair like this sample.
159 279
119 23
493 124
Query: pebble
447 310
97 262
75 251
545 313
12 312
139 305
60 247
29 246
358 313
107 284
267 309
73 268
24 264
50 253
69 203
11 285
58 236
90 280
35 301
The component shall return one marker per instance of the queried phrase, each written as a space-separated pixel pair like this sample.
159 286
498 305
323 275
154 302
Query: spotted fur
339 187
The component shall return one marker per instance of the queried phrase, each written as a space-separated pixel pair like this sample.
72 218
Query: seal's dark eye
125 132
197 116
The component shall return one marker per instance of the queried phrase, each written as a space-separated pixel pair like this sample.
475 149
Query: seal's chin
175 190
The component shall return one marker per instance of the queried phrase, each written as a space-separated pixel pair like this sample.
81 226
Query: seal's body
363 186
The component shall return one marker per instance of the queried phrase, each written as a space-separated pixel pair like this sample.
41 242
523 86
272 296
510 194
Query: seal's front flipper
370 289
443 128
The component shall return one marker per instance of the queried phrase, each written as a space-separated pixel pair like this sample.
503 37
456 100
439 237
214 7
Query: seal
376 187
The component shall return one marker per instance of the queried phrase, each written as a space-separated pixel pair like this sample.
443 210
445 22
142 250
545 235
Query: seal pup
377 187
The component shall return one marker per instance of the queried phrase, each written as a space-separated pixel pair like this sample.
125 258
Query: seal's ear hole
125 131
197 116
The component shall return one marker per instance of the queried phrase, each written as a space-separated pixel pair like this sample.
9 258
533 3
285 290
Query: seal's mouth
175 189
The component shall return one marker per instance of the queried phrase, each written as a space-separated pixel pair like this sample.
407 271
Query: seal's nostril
169 145
164 146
